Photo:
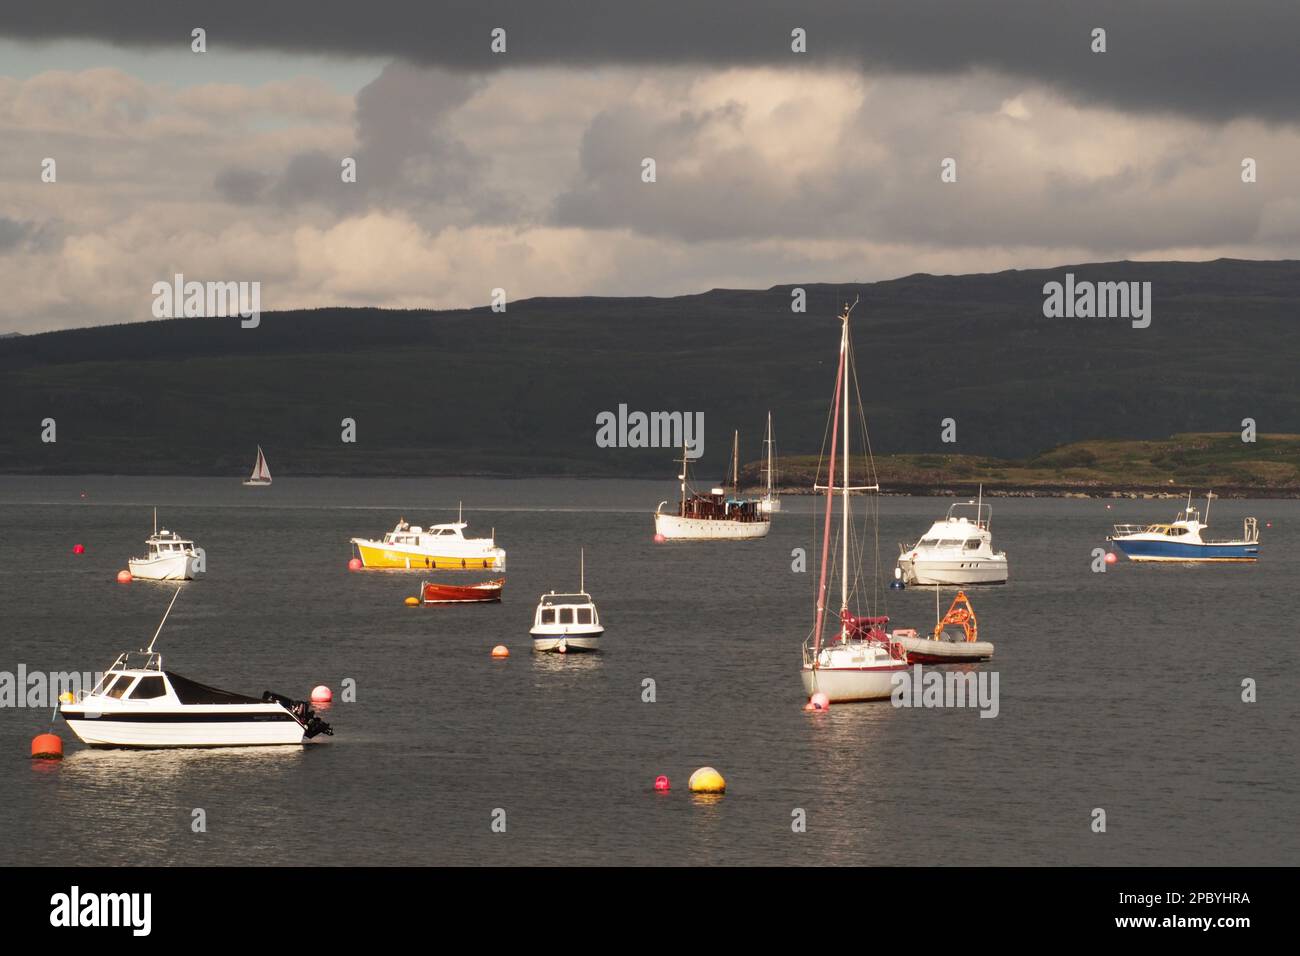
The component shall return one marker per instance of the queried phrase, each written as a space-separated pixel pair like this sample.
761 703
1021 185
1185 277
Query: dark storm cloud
1204 58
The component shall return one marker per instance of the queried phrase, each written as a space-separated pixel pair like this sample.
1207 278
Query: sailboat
769 503
715 516
261 476
861 661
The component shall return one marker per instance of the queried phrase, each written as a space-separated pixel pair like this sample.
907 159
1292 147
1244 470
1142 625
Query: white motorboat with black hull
137 703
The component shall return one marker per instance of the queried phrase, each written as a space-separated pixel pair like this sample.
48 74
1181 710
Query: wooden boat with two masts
717 516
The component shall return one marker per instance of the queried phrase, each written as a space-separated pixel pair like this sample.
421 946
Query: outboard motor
311 724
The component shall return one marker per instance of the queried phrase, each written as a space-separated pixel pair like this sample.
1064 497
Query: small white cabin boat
169 558
261 476
567 622
139 704
957 550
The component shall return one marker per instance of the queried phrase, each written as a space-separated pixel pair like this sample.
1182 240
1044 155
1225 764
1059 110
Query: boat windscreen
192 692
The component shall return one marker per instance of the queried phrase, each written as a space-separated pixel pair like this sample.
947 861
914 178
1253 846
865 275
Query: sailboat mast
844 491
582 571
682 476
819 619
735 464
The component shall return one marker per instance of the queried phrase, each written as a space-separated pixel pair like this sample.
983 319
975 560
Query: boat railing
1131 528
983 513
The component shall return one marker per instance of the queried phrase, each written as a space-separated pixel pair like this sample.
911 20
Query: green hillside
1221 462
474 391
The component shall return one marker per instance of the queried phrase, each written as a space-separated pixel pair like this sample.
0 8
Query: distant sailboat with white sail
261 476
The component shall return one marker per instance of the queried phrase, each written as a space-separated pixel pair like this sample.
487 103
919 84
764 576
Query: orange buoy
47 747
320 694
124 577
661 784
500 651
78 549
412 602
354 564
660 539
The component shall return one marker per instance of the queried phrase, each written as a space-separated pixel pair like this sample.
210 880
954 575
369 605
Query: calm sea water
1118 690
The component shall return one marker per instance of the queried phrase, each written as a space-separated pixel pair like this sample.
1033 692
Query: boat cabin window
566 615
548 615
119 687
949 544
584 615
1177 531
928 542
972 544
148 688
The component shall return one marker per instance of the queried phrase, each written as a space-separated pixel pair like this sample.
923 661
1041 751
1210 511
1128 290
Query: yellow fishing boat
440 547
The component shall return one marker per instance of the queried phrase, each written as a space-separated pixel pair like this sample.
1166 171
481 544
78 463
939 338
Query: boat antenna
1209 496
582 571
155 521
149 649
460 512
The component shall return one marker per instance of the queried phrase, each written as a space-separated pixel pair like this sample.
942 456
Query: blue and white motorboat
1181 539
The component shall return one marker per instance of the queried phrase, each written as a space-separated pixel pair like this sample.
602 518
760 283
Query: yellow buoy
67 698
412 601
707 780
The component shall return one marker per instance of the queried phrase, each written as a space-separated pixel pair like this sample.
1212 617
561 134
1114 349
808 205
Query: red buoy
320 694
78 549
660 539
47 747
124 577
354 564
1111 557
661 784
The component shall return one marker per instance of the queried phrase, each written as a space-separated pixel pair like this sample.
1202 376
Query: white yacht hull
677 528
843 685
955 571
186 729
586 640
172 567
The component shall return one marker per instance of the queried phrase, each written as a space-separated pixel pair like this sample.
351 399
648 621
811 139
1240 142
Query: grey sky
524 170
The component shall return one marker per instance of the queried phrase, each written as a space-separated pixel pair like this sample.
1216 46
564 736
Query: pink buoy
124 577
1111 557
820 701
78 549
354 564
660 539
320 694
661 784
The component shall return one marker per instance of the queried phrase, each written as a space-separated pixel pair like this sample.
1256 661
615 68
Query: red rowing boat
433 592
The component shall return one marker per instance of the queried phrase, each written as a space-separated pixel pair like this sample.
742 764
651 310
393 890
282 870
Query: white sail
261 472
